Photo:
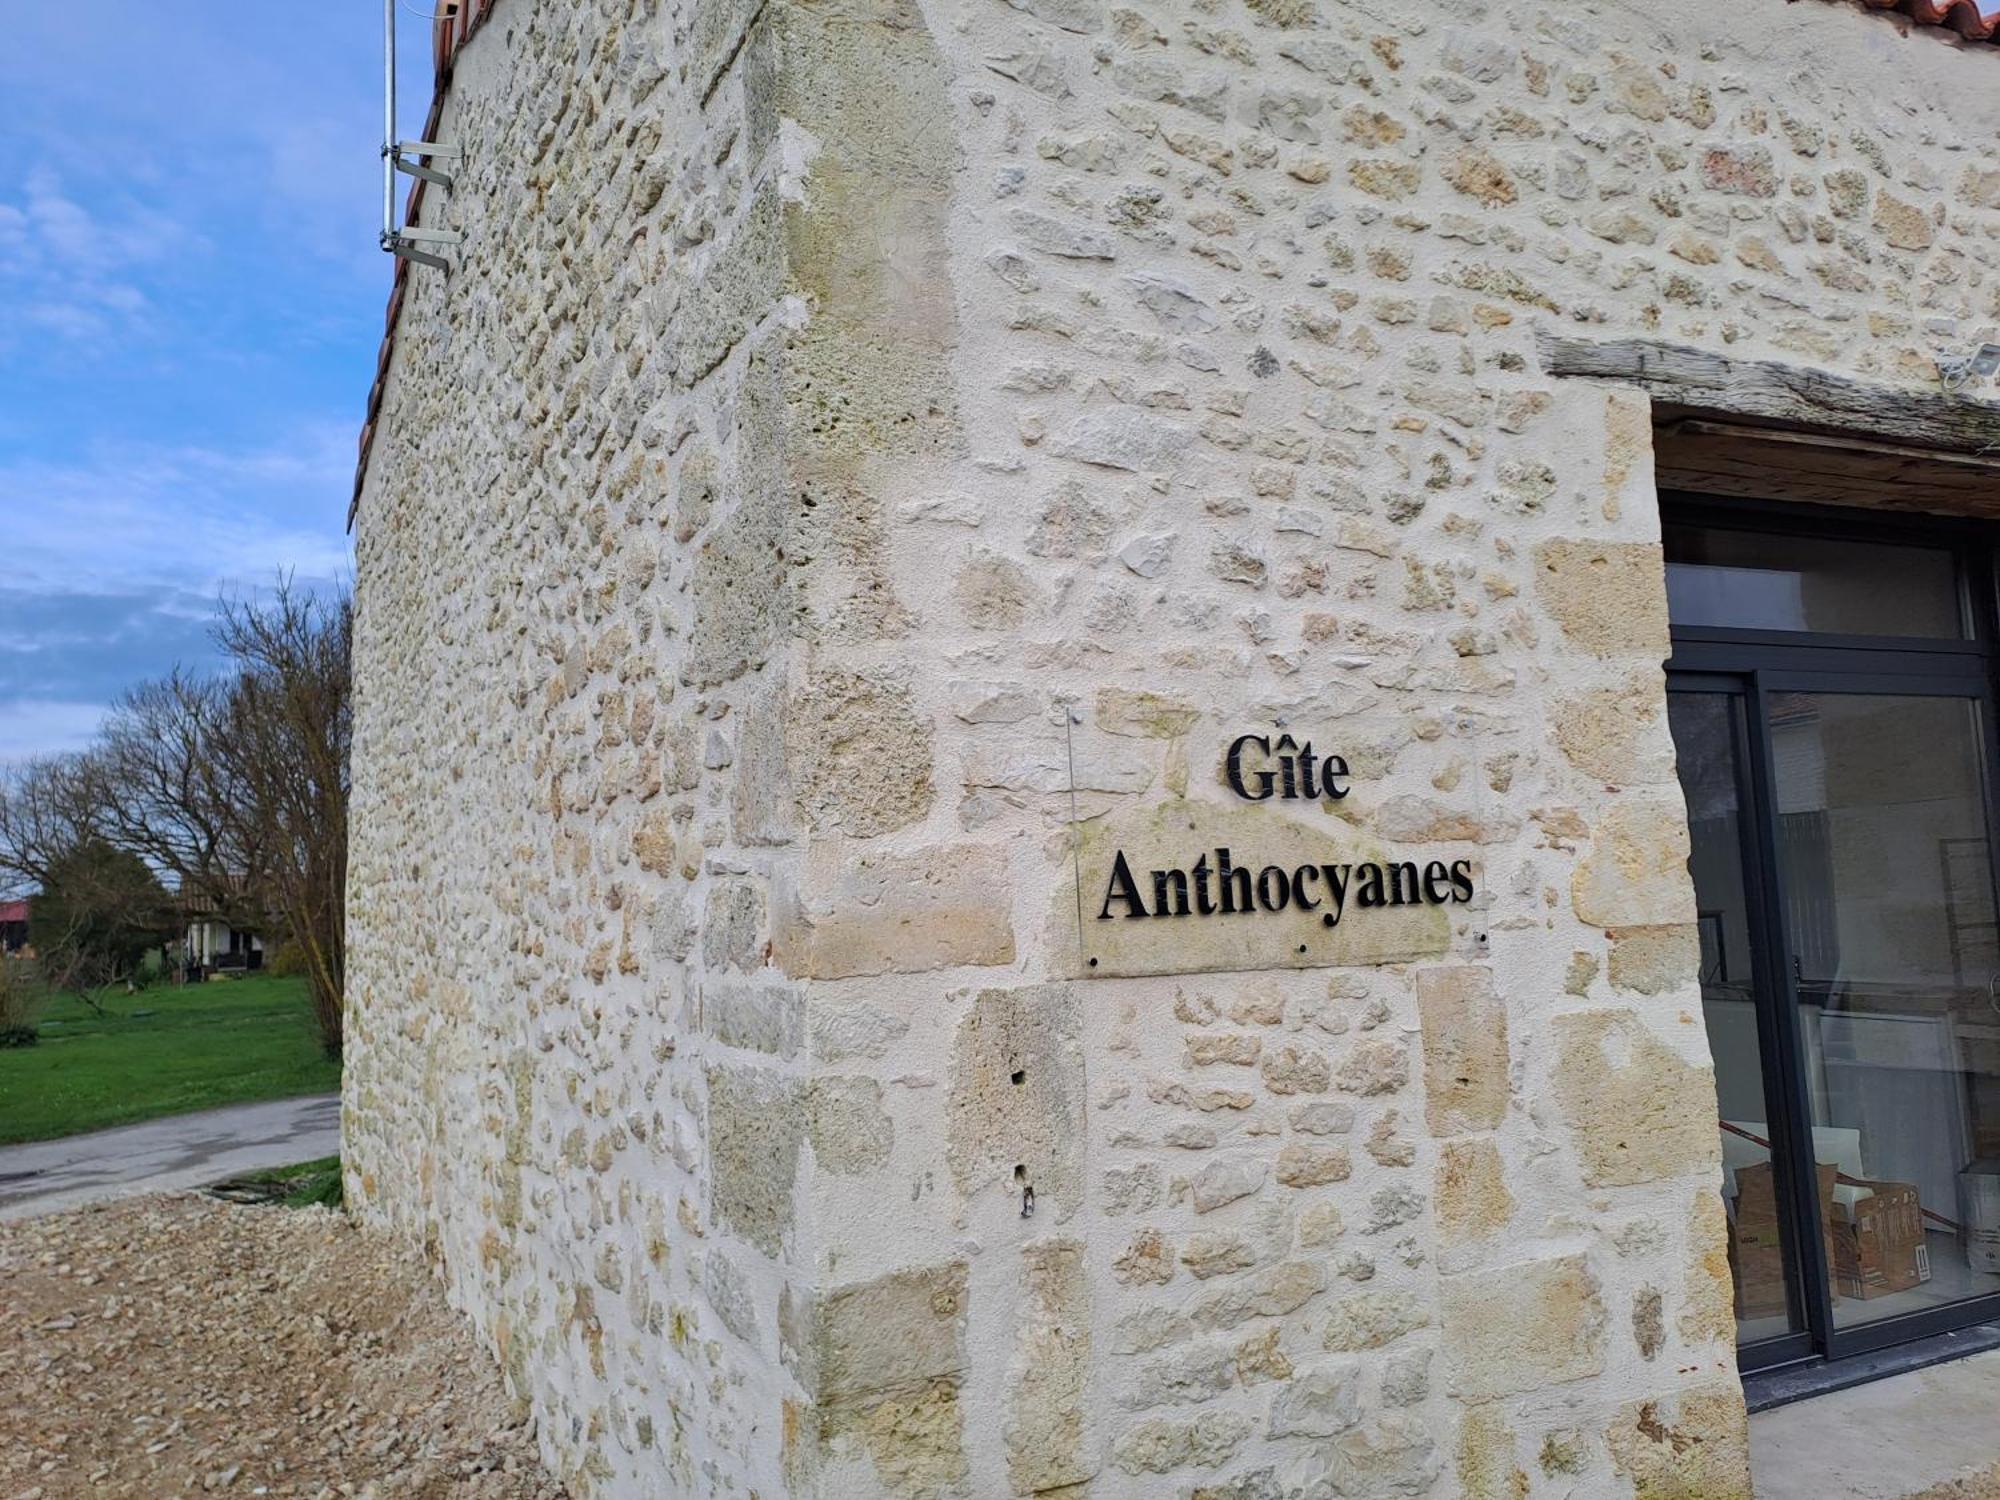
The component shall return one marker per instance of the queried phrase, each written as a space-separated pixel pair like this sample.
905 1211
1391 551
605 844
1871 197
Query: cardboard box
1878 1243
1756 1244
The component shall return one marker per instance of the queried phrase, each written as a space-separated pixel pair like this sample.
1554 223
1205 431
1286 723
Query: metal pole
388 123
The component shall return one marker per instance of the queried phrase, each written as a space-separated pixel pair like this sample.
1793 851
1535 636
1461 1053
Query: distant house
212 942
13 927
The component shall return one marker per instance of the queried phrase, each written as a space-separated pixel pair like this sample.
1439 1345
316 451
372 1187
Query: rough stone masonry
873 456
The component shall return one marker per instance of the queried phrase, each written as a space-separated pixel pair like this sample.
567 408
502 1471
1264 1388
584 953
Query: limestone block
890 1355
1617 735
1635 873
755 1128
1522 1327
1318 1402
850 1130
759 1018
1486 1464
1301 1164
1472 1197
860 756
1654 960
1270 1293
1610 598
1640 1112
895 914
1692 1447
1464 1027
1044 1432
1369 1320
1160 1444
1391 1456
1707 1306
1226 1179
1015 1117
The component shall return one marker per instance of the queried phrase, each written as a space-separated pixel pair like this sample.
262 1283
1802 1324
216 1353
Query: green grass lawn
166 1050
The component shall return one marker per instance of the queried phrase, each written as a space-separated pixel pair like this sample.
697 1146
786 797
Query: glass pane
1888 886
1708 740
1753 580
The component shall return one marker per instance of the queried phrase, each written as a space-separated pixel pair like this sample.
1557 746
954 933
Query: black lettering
1122 888
1396 896
1299 878
1333 766
1308 788
1234 767
1274 888
1203 902
1461 880
1336 885
1370 893
1166 883
1285 767
1435 876
1235 898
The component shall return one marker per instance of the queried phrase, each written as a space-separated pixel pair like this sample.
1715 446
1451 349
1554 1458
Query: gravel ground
179 1345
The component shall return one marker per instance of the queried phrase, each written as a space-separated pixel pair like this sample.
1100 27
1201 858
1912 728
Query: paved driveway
181 1151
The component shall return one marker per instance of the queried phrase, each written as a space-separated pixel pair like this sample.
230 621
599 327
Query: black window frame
1752 665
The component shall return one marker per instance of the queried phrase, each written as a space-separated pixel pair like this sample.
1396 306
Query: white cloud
202 518
36 726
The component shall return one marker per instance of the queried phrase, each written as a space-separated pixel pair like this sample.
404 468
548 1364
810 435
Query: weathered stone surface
1159 1445
850 1130
1640 1112
1654 960
1522 1327
860 755
1464 1027
754 1133
1045 1427
1485 1459
1679 1448
1635 873
890 1355
1617 735
1472 1198
897 914
1015 1117
1318 1402
1303 1165
1369 1320
1609 598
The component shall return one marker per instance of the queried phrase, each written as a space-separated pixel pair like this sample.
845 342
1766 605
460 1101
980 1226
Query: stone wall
861 436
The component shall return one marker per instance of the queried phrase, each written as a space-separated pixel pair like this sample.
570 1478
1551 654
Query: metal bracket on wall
403 151
404 242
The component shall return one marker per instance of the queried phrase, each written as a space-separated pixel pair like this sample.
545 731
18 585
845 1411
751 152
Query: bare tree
281 748
49 808
166 793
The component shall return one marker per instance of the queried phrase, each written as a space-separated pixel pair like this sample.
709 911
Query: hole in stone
1020 1075
1020 1172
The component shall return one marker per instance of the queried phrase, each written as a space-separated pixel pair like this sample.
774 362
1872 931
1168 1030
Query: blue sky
190 300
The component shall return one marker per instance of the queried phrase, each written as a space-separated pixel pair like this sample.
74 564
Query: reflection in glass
1751 580
1888 891
1707 731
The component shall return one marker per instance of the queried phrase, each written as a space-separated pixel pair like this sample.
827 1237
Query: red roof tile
13 911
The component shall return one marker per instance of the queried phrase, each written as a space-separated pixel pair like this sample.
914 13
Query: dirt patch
178 1345
1972 1487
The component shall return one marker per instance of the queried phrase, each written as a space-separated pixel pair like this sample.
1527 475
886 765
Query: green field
166 1050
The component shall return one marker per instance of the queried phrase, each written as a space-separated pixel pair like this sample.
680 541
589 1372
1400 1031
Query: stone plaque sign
1269 878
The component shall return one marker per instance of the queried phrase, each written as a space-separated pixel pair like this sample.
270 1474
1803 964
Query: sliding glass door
1832 711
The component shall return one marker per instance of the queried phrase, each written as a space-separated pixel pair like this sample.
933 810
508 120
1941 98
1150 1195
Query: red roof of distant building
13 911
1978 19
